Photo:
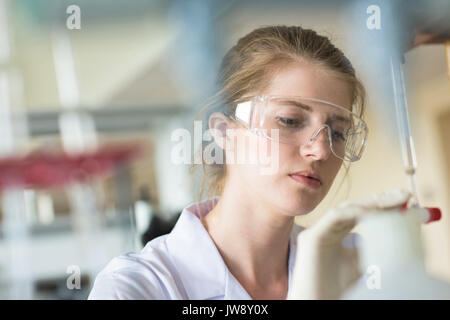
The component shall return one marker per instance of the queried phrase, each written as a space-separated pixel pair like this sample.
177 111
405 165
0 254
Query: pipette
406 141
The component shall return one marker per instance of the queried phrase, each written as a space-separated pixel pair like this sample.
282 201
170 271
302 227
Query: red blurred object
435 214
43 169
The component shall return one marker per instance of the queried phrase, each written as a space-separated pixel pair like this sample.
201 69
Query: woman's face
283 190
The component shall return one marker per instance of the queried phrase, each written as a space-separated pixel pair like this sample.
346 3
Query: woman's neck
252 239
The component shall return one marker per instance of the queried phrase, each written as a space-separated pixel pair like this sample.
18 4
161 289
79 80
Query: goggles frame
244 113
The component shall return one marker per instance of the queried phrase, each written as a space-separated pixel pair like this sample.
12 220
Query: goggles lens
299 120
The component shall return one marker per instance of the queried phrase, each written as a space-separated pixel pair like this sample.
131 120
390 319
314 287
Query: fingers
336 223
387 200
352 210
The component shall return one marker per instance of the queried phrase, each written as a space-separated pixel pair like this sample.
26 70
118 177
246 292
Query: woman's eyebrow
340 118
298 104
309 108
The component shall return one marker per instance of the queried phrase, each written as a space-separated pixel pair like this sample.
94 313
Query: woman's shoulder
154 253
148 274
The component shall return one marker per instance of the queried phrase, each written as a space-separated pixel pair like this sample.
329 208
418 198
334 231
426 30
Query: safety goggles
299 120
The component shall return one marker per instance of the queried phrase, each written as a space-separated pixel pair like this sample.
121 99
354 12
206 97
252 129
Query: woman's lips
310 182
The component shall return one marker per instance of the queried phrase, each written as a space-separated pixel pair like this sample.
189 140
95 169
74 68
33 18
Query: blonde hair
254 60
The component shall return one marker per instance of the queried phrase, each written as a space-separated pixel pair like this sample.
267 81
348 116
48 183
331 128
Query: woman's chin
300 205
297 208
301 211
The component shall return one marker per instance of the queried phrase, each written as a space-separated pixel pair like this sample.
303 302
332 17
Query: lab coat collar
199 263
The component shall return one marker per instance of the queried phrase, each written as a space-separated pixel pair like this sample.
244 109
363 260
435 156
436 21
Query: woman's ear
218 125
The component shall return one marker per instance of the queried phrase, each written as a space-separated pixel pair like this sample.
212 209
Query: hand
324 268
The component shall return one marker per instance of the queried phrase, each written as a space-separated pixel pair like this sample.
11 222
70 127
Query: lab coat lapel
196 258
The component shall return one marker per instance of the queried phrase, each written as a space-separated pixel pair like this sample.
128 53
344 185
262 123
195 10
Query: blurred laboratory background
88 106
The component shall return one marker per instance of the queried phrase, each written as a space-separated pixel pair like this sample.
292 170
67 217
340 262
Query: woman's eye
288 122
338 135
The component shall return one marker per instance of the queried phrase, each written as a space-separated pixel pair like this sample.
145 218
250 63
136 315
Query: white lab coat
184 264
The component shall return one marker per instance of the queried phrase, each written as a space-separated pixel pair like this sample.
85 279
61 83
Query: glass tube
406 141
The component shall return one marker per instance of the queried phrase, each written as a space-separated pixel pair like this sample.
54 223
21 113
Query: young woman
292 91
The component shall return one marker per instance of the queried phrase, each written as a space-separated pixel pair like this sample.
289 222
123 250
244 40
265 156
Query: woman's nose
317 146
